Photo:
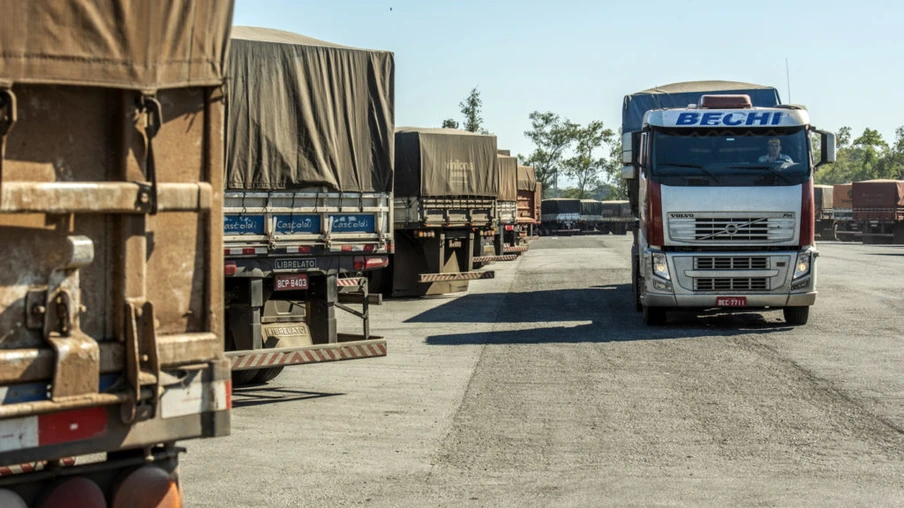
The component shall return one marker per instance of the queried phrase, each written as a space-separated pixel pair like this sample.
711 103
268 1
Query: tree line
588 155
866 157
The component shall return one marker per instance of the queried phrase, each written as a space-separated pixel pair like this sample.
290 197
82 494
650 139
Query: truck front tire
796 315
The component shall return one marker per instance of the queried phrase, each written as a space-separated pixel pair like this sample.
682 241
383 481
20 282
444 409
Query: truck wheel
244 377
267 375
239 377
636 284
654 316
796 315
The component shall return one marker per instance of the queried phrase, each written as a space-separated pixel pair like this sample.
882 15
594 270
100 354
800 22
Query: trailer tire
654 316
266 375
796 316
244 377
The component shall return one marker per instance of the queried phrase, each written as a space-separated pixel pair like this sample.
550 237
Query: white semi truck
725 221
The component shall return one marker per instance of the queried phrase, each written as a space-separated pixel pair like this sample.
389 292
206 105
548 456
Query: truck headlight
661 266
802 267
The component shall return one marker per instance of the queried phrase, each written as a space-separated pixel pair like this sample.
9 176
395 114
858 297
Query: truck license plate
296 264
292 281
731 301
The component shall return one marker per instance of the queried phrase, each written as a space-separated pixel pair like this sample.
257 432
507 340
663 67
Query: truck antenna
788 77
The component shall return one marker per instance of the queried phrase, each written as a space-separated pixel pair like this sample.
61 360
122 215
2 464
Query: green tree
552 136
470 108
449 123
843 137
614 168
586 165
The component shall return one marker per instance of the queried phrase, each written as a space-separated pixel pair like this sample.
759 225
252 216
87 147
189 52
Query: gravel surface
543 387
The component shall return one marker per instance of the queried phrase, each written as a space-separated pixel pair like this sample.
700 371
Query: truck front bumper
709 300
697 279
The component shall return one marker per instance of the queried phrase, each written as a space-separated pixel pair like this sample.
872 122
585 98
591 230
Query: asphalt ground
543 387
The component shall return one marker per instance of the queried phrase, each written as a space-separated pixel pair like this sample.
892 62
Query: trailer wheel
796 315
244 377
267 375
654 316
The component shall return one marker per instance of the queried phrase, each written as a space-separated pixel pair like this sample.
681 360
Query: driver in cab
774 149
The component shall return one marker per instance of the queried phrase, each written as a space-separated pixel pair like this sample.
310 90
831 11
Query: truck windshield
730 157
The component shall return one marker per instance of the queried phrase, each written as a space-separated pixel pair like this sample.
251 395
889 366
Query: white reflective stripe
18 433
220 394
193 397
239 251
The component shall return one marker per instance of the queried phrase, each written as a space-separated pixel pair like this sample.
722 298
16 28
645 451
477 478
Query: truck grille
731 284
766 228
731 263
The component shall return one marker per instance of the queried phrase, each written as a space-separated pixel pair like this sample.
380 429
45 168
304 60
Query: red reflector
348 248
369 247
55 428
509 227
305 250
376 262
360 263
248 250
229 268
228 394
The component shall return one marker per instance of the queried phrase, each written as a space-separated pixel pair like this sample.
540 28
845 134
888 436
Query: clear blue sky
580 58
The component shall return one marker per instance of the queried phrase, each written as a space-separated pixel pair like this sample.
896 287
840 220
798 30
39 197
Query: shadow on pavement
262 394
609 310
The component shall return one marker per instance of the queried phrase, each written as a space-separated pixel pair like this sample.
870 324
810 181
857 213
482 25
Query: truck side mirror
626 152
628 173
827 146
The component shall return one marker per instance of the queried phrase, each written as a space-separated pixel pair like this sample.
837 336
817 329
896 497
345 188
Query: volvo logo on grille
731 229
681 215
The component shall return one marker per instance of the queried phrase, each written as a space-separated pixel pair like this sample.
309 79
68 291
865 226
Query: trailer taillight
11 499
148 487
76 491
229 268
370 262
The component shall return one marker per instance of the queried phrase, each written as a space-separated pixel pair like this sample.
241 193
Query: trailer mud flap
490 259
346 349
449 277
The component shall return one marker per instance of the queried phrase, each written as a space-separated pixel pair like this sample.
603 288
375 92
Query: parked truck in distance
823 210
846 229
111 296
530 195
308 203
446 185
617 218
591 216
878 207
560 216
722 177
507 234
